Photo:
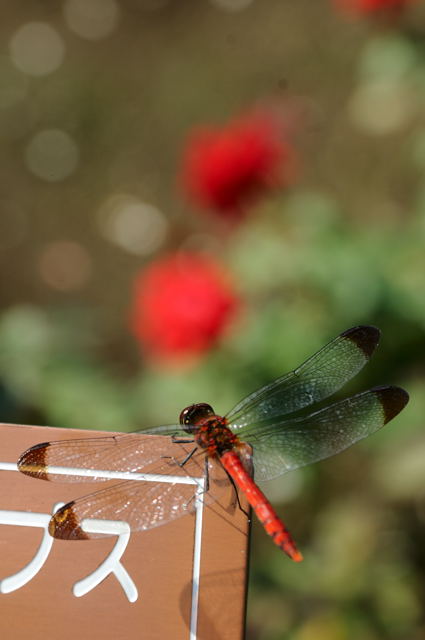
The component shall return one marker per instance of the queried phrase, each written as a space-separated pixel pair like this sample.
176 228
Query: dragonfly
267 434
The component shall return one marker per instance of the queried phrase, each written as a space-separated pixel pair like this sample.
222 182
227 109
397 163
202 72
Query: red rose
372 6
182 304
225 169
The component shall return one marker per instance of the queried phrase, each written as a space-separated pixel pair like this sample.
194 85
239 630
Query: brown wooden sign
184 580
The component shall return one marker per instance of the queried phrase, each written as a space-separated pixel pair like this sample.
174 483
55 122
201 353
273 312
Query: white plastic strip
196 572
8 466
111 475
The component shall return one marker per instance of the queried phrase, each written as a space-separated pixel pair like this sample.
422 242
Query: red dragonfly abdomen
262 507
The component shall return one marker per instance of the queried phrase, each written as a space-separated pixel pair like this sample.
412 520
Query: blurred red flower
372 6
225 169
183 303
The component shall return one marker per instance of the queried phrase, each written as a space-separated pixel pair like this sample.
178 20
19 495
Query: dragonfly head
194 415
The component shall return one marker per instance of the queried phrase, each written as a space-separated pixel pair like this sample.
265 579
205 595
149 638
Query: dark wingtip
32 462
366 337
64 524
393 400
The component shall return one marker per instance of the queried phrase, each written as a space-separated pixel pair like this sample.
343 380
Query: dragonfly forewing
316 379
123 452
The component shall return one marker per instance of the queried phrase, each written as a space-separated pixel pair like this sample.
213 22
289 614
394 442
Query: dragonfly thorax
210 430
215 436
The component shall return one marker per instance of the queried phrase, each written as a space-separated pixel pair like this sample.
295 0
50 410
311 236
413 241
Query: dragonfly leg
178 440
206 486
186 459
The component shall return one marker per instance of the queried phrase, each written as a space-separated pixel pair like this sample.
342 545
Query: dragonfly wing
143 505
130 452
287 445
317 378
175 430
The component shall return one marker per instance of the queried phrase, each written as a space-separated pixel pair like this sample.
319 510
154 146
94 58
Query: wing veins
317 378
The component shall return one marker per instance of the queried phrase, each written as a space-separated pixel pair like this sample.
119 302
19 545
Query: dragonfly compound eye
195 414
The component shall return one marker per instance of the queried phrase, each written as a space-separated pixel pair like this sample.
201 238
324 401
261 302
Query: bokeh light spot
52 155
65 265
133 225
37 49
380 107
92 19
387 57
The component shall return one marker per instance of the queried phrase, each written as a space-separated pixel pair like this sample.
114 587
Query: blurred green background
96 99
